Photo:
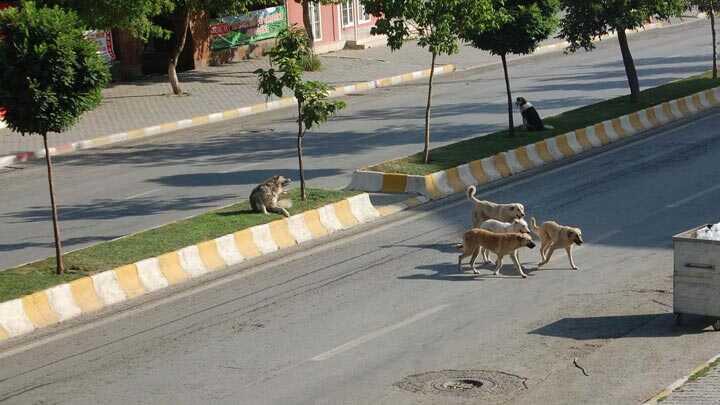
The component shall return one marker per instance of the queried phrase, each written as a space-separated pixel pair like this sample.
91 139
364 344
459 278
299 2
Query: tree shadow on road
623 326
9 247
101 209
239 178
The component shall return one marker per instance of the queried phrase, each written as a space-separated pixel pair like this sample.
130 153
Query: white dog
485 210
493 225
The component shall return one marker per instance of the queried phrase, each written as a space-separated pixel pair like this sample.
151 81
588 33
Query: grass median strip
484 146
40 275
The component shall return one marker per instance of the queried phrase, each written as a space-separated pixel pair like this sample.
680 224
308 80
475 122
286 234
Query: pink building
337 26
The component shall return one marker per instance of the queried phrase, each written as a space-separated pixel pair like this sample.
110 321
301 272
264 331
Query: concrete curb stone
57 304
457 179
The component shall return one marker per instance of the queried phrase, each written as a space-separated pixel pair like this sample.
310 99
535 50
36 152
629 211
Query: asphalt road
347 322
108 193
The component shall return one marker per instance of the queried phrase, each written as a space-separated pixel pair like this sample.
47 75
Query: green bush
311 63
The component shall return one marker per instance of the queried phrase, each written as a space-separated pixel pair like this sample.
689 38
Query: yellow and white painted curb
679 383
216 117
505 164
88 294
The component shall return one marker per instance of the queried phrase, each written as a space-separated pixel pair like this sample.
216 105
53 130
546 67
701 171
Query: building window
315 20
347 13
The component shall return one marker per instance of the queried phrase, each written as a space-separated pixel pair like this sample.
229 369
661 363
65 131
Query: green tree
528 23
586 20
436 23
313 107
709 6
137 17
49 76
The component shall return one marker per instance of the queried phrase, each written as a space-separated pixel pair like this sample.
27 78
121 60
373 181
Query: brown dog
555 236
485 210
502 244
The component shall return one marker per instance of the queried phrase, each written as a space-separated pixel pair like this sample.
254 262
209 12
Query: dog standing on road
555 236
493 225
502 244
265 196
485 210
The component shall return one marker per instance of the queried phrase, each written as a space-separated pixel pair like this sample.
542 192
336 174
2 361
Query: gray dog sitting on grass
264 197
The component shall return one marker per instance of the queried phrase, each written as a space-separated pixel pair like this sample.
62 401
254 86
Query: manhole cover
464 383
461 384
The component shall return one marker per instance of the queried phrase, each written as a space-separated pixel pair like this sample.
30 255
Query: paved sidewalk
702 391
129 106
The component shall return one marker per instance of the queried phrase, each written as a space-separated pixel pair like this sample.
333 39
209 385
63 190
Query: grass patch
40 275
484 146
311 63
702 373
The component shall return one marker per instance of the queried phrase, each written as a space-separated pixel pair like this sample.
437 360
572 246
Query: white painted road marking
693 197
140 194
370 336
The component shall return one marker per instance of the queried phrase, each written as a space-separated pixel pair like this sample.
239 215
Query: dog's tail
533 226
471 194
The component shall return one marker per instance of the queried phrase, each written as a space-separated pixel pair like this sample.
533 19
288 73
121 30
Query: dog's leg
485 256
518 265
279 210
569 253
543 249
475 255
549 254
498 266
460 259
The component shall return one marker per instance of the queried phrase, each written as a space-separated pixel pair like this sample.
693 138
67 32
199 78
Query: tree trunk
511 122
630 70
426 152
56 227
181 29
712 28
307 23
300 136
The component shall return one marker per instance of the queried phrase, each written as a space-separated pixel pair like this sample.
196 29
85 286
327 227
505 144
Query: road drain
489 384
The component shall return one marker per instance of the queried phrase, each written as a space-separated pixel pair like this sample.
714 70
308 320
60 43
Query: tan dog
502 244
485 210
265 196
493 225
555 236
